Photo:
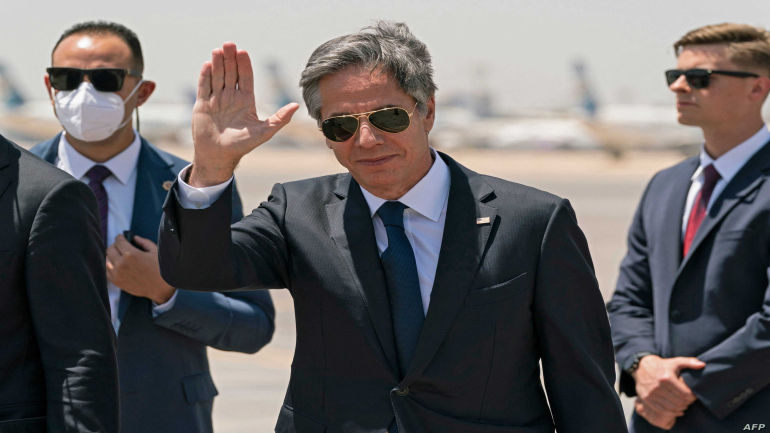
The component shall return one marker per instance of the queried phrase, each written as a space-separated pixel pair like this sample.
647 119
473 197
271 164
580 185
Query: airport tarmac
604 192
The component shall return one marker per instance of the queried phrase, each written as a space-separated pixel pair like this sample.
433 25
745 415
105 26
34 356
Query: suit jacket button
676 316
402 392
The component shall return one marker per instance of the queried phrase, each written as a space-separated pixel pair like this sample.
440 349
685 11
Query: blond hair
747 45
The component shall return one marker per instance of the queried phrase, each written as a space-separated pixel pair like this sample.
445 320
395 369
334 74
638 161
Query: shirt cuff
157 310
198 198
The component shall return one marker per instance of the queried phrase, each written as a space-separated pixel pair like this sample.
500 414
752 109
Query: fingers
146 244
231 66
113 256
685 363
217 70
123 246
277 121
204 81
245 71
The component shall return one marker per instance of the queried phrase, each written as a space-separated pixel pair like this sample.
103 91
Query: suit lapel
152 171
351 228
462 248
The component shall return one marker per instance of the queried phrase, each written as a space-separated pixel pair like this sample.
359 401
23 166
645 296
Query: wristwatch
637 358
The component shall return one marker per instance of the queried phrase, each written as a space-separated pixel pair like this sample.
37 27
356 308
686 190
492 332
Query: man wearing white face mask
95 84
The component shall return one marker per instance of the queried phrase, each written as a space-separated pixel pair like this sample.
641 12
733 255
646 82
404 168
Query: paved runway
603 191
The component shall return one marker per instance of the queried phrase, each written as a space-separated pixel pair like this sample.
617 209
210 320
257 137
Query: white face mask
90 115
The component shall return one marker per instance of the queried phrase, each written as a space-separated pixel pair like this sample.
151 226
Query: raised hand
225 124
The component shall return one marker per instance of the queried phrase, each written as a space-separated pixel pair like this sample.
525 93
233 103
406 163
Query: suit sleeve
199 250
631 306
235 321
573 332
736 368
67 291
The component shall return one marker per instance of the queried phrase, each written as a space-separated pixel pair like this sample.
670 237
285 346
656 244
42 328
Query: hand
664 420
224 121
660 387
137 271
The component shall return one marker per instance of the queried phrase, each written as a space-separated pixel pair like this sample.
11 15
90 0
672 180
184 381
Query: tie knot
710 175
392 213
98 173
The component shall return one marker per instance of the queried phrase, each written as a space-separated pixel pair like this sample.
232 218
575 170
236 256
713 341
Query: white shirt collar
729 164
427 197
121 165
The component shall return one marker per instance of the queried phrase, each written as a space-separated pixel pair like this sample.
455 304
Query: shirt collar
729 164
121 165
427 197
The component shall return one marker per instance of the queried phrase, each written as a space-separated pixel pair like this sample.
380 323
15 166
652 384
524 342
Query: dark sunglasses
700 78
103 79
390 120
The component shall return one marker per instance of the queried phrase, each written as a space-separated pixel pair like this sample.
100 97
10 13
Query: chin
687 120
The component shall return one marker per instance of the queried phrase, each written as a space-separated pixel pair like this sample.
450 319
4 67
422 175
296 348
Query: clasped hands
662 395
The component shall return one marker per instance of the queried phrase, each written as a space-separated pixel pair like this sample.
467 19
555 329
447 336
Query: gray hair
386 46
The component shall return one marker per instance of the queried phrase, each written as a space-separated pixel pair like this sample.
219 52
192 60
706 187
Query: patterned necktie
96 176
711 177
403 284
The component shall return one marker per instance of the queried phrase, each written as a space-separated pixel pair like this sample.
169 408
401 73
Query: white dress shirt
121 188
423 220
727 165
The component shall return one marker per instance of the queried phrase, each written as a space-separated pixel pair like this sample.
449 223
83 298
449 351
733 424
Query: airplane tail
279 93
586 97
10 96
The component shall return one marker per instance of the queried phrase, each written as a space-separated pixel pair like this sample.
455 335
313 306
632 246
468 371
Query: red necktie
698 212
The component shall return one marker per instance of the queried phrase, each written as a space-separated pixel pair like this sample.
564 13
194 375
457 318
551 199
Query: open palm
225 124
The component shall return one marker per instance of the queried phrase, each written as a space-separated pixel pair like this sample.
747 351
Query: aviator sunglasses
391 120
700 78
103 79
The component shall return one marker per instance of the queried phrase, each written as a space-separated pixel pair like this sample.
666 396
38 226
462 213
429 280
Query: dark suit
58 371
713 305
507 294
165 382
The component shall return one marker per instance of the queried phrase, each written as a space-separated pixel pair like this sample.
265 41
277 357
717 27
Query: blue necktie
403 284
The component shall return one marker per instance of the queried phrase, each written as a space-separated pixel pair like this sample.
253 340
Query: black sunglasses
103 79
390 120
700 78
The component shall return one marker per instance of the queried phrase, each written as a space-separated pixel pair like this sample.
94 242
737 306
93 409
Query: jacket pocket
26 425
732 235
292 421
497 292
199 387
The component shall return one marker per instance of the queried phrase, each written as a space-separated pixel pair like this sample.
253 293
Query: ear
760 89
144 92
430 115
49 90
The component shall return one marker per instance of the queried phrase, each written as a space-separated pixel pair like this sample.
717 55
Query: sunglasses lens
64 79
698 79
673 75
339 129
392 120
107 80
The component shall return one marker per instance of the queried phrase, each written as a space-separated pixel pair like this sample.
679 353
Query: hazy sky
527 46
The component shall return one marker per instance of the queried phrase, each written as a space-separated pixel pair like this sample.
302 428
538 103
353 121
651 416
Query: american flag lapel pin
481 221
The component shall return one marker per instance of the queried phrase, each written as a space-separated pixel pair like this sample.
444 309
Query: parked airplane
588 125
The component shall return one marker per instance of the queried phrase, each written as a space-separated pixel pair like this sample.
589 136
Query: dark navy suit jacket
713 304
164 373
514 286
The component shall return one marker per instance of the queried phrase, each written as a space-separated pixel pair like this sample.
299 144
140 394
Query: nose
368 136
680 85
